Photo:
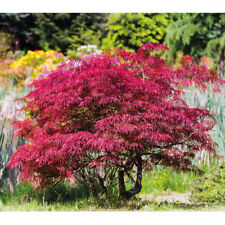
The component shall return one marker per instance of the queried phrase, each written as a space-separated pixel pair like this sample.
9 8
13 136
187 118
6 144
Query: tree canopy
198 34
131 30
103 116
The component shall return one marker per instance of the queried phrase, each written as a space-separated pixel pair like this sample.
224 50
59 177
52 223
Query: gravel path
172 197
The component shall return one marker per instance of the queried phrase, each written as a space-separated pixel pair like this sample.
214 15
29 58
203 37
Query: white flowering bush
83 51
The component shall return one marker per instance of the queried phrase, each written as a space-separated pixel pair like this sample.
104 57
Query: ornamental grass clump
105 119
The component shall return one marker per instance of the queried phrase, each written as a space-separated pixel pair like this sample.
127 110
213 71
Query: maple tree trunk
121 182
221 64
137 187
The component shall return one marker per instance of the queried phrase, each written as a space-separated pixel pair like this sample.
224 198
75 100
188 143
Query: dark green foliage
131 30
63 193
5 43
26 193
55 29
19 194
18 25
84 36
61 198
197 34
49 30
210 187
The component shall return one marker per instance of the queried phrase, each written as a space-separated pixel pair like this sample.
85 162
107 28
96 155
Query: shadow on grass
63 193
80 198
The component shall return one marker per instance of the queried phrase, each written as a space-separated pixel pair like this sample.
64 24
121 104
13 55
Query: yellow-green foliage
131 30
210 187
85 36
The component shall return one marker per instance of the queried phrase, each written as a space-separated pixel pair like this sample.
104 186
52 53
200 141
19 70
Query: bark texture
137 186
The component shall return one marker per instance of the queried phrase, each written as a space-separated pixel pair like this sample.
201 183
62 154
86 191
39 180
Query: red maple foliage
189 73
108 115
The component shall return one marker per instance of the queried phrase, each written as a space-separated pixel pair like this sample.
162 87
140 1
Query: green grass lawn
93 204
64 197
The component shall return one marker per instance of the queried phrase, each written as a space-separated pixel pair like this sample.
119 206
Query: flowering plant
83 51
10 76
189 72
39 61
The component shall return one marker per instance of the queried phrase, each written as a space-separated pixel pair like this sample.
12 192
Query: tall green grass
60 198
164 179
215 103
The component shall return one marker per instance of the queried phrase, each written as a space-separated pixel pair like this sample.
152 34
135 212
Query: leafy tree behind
55 30
84 36
131 30
18 25
49 30
198 34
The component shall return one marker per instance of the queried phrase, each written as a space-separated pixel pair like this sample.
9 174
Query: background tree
50 30
5 43
18 25
54 30
84 36
131 30
110 115
198 34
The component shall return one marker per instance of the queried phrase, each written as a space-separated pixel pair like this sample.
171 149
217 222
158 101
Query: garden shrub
38 62
191 73
10 76
130 30
101 118
5 42
85 36
210 188
83 51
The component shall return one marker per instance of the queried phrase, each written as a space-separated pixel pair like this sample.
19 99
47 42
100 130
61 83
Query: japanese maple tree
107 116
